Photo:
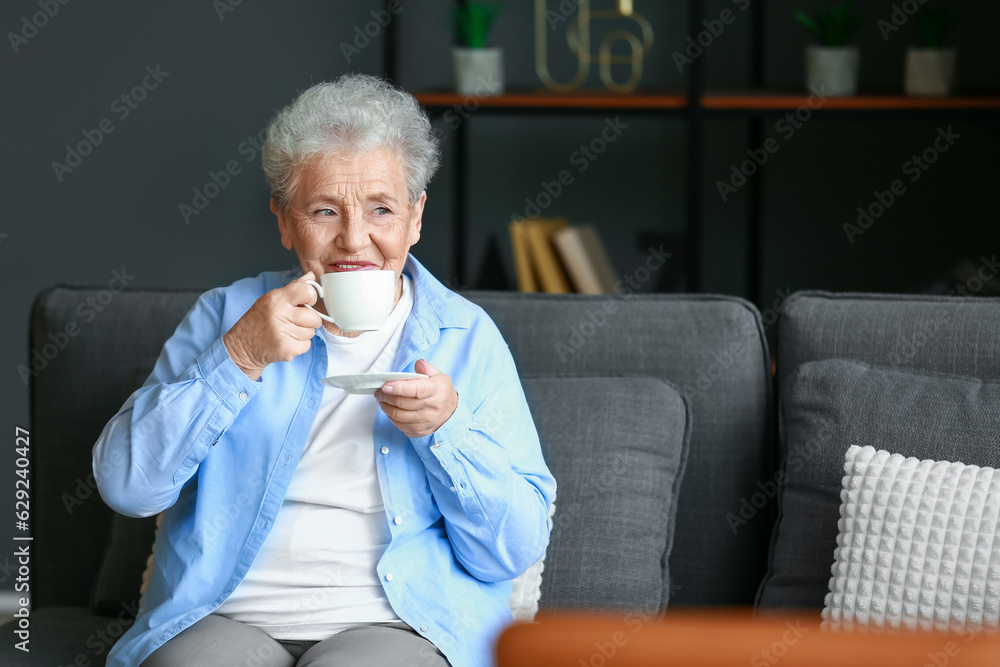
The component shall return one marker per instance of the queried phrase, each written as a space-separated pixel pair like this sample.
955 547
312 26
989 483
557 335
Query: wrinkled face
351 215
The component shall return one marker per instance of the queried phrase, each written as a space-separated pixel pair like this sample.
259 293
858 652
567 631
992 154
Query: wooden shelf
779 101
713 100
693 105
546 99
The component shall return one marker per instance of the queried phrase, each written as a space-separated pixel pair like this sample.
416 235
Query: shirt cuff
225 378
452 433
443 447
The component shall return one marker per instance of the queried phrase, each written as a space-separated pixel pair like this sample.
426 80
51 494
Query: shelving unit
531 101
695 104
755 105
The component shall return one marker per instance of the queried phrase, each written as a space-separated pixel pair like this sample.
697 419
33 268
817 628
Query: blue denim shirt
217 451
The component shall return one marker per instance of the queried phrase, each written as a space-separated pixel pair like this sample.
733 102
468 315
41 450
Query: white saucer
367 383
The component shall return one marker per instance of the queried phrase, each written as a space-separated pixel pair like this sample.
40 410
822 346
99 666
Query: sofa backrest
941 334
712 348
97 346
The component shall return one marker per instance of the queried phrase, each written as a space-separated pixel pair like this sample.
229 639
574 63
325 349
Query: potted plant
832 67
930 71
478 69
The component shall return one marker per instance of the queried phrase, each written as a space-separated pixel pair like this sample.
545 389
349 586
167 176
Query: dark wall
222 75
118 210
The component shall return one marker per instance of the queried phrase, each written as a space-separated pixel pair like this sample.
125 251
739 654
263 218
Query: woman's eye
325 212
382 210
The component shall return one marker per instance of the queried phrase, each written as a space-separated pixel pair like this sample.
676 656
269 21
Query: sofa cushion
130 540
825 407
617 447
66 636
121 572
97 362
919 545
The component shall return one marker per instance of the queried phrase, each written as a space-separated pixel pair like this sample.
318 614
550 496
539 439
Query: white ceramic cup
357 300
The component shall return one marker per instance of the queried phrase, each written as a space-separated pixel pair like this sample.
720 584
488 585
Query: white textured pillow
919 545
527 590
148 572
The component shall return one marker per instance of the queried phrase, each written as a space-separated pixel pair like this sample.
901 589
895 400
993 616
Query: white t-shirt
315 574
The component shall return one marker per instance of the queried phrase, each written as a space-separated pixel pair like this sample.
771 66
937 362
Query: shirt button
454 489
423 628
384 450
243 396
397 521
437 445
388 577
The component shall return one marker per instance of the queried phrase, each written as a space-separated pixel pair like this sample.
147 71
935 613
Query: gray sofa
657 417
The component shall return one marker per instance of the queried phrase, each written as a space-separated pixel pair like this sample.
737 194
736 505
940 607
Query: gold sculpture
578 39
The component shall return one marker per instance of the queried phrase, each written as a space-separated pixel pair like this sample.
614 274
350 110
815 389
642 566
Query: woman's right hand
278 327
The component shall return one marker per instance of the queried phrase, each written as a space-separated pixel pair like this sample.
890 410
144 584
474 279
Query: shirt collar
435 306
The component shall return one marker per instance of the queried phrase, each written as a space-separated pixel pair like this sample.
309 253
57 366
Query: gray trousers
216 641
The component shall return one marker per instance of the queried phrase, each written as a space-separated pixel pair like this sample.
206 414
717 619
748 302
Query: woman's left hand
419 407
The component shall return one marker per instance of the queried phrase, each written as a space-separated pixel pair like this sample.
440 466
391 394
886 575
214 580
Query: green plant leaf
832 27
472 22
933 23
809 24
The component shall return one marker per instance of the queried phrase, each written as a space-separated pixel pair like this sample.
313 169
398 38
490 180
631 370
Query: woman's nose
352 237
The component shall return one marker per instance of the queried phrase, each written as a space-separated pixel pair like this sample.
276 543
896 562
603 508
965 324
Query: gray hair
354 114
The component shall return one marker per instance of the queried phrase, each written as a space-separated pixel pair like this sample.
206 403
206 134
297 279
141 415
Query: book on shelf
551 274
526 281
585 259
552 256
532 240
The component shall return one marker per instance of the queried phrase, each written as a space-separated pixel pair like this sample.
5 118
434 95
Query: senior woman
303 526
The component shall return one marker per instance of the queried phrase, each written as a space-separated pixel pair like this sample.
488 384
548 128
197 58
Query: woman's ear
416 218
284 228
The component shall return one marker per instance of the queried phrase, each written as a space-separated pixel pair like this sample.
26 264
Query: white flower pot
477 72
832 70
930 72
